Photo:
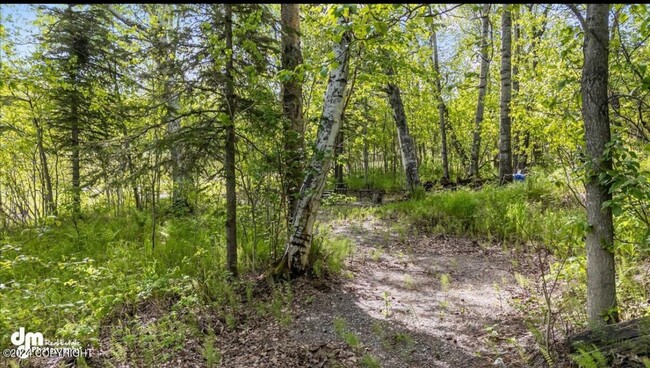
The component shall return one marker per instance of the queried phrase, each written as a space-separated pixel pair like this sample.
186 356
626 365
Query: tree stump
378 196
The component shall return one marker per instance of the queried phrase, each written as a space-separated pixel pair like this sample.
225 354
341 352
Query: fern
600 358
547 356
539 339
590 359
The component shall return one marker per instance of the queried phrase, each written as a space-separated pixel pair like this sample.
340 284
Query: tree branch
578 15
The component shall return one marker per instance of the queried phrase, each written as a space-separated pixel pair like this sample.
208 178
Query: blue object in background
519 176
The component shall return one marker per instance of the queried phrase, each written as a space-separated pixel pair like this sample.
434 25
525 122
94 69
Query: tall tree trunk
339 150
538 32
48 194
482 88
505 126
292 106
365 143
296 255
229 165
406 142
76 171
442 109
601 272
515 87
181 181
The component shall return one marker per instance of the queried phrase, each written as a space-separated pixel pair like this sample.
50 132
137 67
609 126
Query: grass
516 213
328 253
445 280
66 281
409 283
376 180
210 352
341 329
369 361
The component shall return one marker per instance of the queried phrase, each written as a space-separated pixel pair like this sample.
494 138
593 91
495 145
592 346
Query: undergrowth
70 281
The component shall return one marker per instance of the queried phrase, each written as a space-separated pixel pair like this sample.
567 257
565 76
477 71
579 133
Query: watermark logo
24 341
27 344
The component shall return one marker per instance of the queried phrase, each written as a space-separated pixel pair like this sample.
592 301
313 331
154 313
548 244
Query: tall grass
519 212
377 179
65 279
61 279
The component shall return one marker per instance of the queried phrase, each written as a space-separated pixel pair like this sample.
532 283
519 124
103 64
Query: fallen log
627 338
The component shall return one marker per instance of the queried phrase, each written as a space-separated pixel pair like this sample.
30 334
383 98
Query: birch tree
295 258
482 88
406 143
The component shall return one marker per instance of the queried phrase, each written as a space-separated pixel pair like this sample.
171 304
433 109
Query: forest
325 185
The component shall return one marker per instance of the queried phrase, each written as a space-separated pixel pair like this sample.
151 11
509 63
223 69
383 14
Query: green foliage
376 180
629 185
336 199
341 329
328 253
517 213
211 353
404 339
106 263
370 361
590 359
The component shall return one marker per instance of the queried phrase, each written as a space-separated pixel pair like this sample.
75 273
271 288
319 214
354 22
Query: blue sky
20 24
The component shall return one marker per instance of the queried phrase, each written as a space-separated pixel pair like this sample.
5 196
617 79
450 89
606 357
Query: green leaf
323 72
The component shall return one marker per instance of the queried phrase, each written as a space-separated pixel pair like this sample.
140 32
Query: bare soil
411 301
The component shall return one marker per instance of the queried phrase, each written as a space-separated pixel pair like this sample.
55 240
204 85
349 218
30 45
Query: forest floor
403 301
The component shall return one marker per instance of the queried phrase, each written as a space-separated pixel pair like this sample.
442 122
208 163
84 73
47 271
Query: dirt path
403 301
418 302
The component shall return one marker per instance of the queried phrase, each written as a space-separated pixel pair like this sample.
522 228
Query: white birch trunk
406 143
296 253
482 89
